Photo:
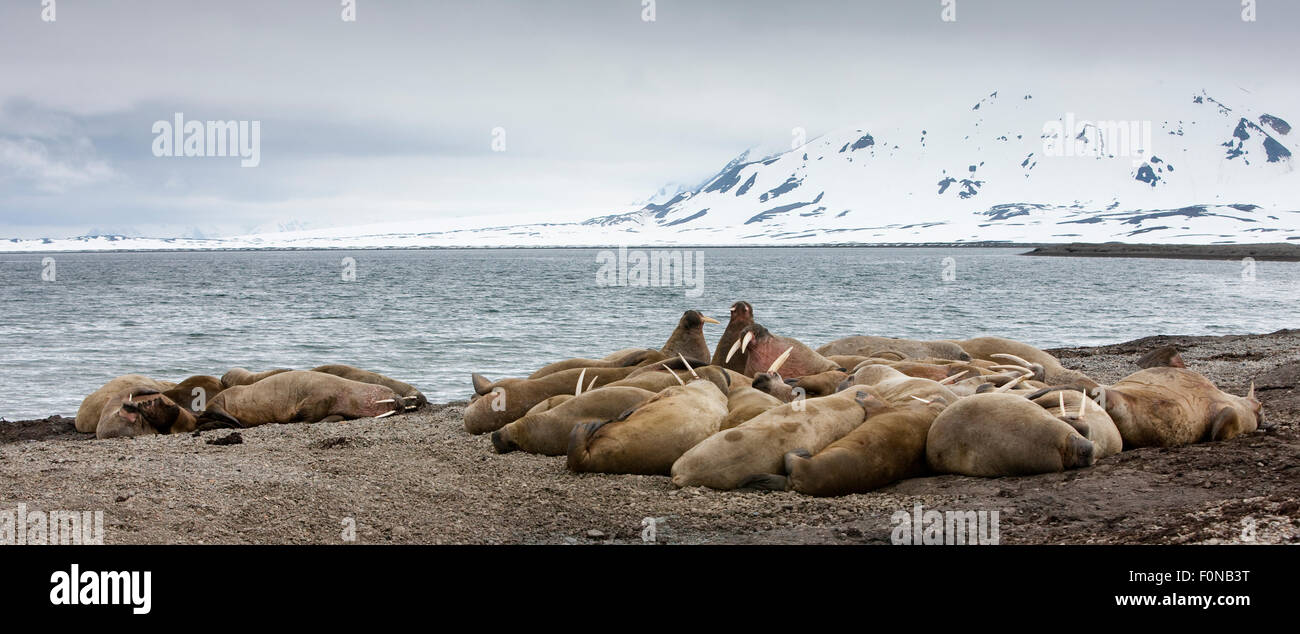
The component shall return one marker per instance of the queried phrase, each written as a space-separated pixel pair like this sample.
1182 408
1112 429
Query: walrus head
742 315
144 412
1167 356
766 350
688 338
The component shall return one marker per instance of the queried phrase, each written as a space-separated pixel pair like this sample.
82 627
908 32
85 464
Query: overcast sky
391 117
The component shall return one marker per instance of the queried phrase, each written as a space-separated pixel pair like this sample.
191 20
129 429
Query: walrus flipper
766 482
217 419
1225 425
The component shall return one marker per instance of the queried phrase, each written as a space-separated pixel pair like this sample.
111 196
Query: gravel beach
420 478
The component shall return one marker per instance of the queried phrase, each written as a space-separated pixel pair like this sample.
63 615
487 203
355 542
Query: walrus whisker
732 352
776 365
954 377
386 414
688 365
581 375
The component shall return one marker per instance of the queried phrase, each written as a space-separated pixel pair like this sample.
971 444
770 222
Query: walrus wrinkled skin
414 398
764 348
546 432
1049 370
688 338
650 438
742 315
887 447
621 359
900 389
193 393
1085 416
728 459
132 405
497 403
868 346
810 386
240 376
993 435
744 402
300 396
1168 407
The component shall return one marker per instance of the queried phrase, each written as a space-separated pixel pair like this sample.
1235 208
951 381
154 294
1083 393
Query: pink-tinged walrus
301 396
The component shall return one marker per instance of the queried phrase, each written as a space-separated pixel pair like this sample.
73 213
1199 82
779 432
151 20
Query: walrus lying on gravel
1087 418
1046 367
867 346
1167 406
995 435
132 405
651 437
496 403
302 396
728 459
240 376
547 431
405 390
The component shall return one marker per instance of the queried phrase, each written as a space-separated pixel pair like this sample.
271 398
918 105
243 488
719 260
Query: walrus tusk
709 320
592 384
732 351
581 375
1010 384
776 365
1252 390
386 414
744 341
387 400
688 365
920 399
1083 406
679 379
1012 358
1061 395
954 377
1013 367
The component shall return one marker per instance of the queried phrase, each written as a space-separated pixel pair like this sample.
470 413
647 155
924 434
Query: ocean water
431 317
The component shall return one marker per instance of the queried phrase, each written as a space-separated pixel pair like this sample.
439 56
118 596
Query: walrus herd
760 411
769 412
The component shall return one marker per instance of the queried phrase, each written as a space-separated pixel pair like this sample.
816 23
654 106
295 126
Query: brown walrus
651 437
688 338
413 397
1045 366
868 346
1164 357
744 402
897 388
300 396
728 459
810 386
240 376
547 432
496 403
1087 418
888 446
620 359
193 393
742 315
765 349
1166 407
132 405
995 435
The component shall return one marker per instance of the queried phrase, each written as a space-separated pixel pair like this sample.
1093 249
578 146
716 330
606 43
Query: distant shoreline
1274 251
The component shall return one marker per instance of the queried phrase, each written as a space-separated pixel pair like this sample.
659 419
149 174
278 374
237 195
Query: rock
233 438
595 534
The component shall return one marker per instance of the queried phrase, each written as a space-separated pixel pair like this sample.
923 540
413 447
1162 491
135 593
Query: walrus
620 359
651 437
993 435
496 403
742 315
887 447
1167 407
1166 357
744 402
300 396
728 459
897 388
764 348
688 338
193 393
547 431
240 376
810 386
1087 418
132 405
868 346
414 398
1046 367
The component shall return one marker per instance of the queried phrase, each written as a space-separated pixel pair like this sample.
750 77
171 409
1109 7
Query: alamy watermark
655 268
181 138
1098 139
944 527
23 527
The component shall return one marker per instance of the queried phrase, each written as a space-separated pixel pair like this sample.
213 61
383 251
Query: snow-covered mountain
1005 167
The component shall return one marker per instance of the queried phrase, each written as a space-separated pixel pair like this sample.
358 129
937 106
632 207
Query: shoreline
1270 252
420 478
